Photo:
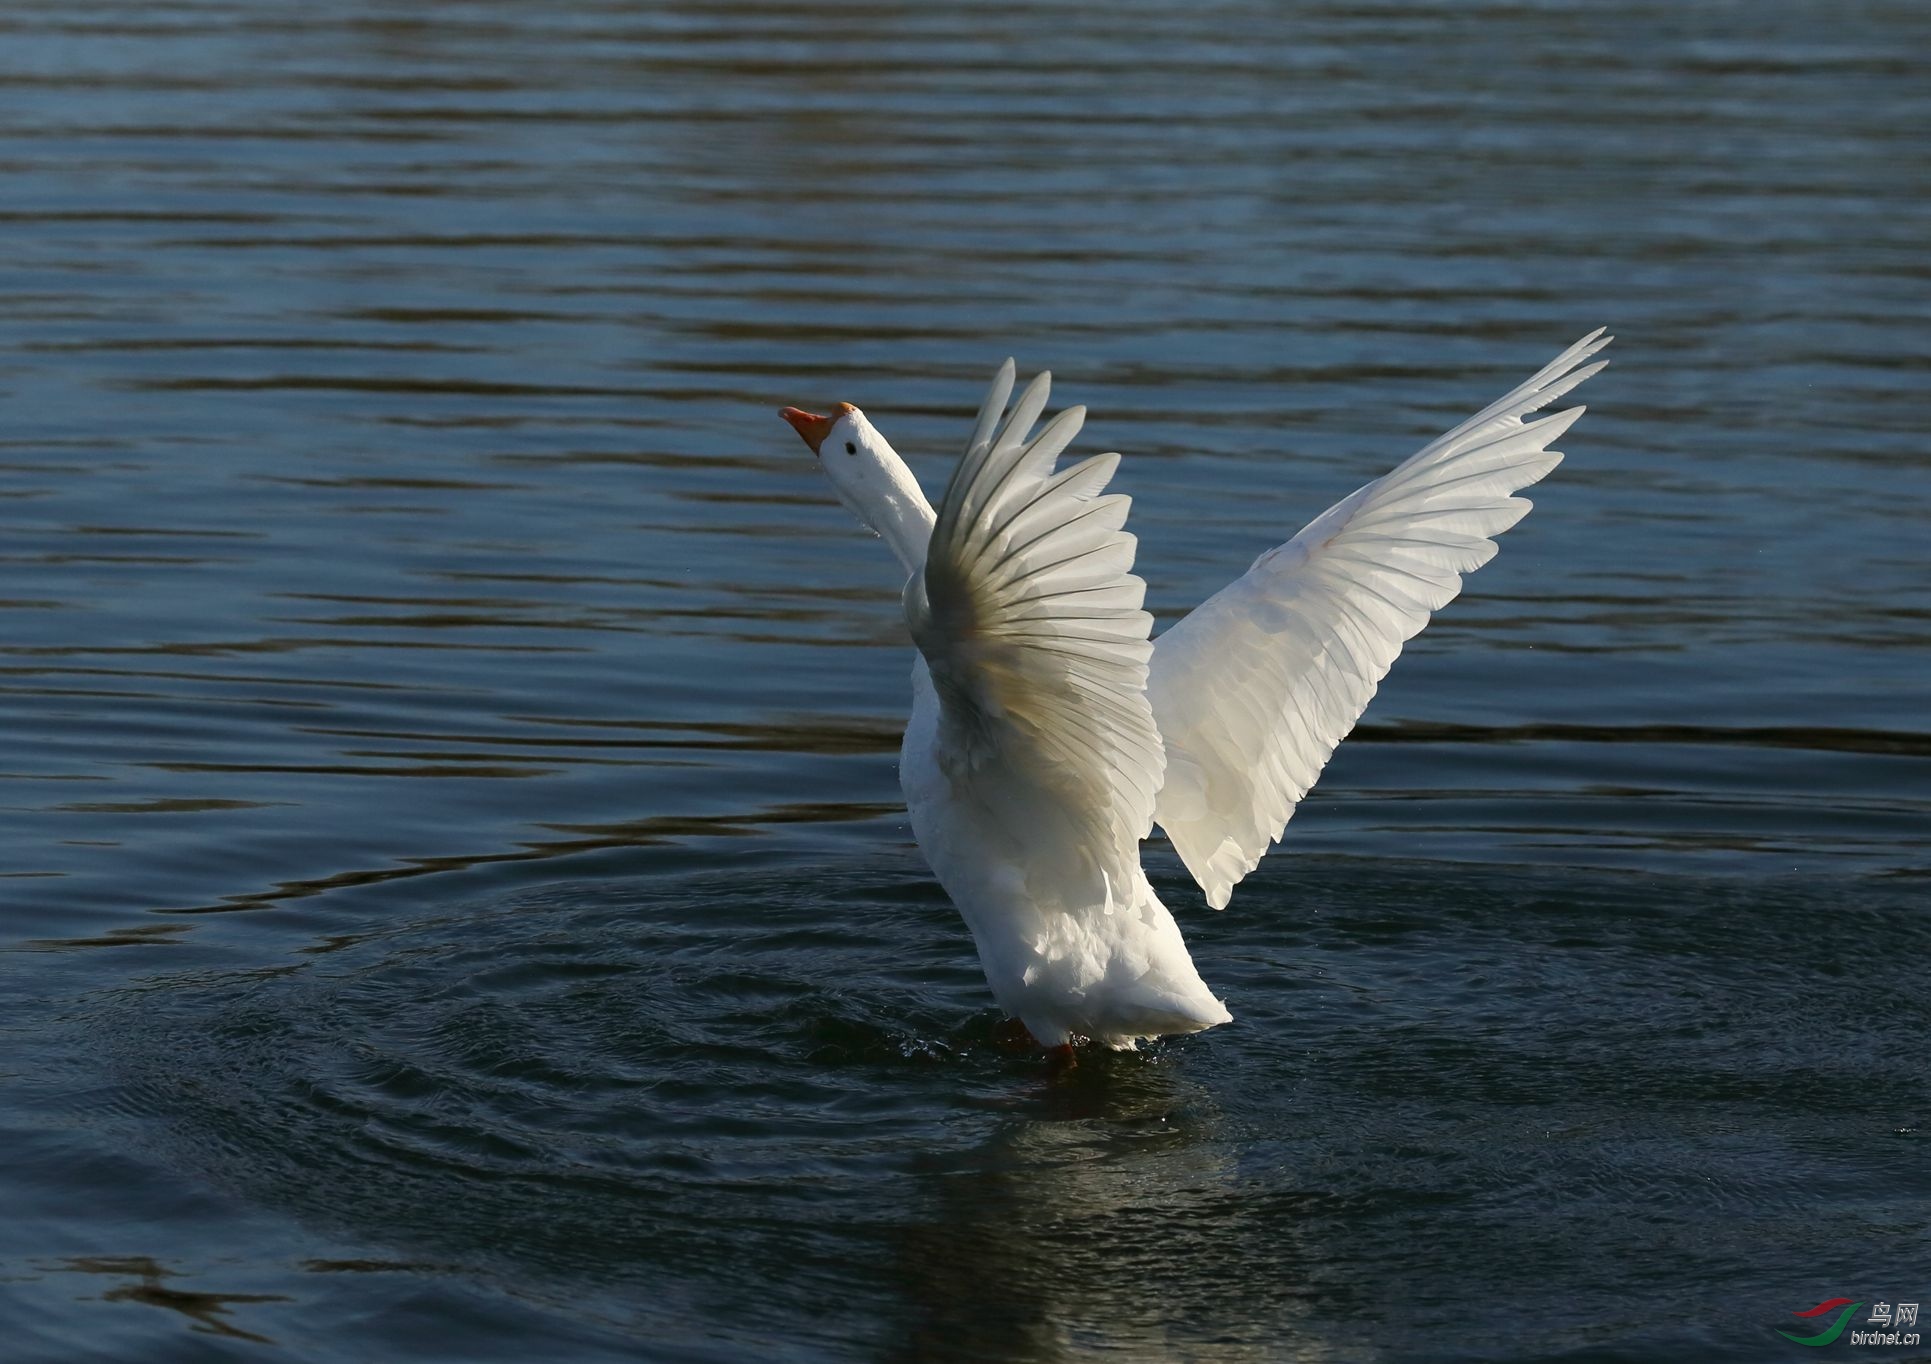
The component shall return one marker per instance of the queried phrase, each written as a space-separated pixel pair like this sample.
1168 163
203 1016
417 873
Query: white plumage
1048 732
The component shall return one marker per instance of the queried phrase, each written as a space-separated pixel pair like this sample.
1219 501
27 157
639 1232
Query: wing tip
1593 344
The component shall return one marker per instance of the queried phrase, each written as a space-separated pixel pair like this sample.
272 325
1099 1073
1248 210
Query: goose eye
850 449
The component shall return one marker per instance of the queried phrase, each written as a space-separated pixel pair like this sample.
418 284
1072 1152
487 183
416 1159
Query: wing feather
1032 626
1254 689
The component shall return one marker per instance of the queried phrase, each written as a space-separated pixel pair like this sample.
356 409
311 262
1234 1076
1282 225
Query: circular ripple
694 1083
762 1111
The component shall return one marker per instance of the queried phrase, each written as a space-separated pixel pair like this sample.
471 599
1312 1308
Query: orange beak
813 427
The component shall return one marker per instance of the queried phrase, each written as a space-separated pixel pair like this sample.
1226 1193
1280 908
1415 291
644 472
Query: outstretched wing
1253 690
1028 615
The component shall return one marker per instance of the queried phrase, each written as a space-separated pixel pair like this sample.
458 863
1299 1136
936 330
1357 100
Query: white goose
1049 733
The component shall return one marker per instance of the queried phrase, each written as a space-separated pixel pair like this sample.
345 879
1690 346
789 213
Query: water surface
453 897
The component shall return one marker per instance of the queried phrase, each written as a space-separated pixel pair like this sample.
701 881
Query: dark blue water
454 903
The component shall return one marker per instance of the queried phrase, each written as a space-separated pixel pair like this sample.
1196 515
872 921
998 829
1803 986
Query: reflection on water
429 664
209 1312
1107 1213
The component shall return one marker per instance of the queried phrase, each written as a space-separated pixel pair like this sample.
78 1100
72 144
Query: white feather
1253 690
1030 620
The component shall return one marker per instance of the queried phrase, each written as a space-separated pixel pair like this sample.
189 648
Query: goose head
869 477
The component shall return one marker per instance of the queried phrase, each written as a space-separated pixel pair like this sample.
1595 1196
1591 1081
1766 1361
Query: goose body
1049 732
1065 958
